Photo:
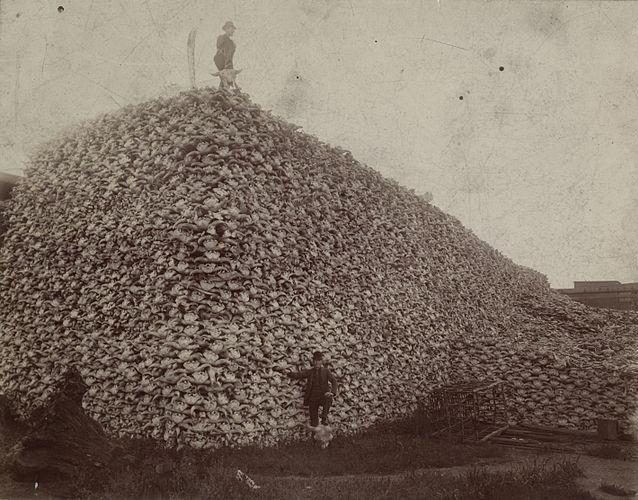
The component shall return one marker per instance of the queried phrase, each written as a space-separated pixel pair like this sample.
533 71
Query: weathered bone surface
183 252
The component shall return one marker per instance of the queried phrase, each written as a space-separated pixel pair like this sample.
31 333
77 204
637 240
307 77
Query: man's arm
298 375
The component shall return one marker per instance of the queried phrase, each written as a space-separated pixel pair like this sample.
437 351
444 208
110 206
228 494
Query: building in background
609 294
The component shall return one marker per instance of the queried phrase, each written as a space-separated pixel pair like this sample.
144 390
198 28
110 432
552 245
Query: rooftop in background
7 181
608 294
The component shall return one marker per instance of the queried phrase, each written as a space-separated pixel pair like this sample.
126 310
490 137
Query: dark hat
317 356
229 24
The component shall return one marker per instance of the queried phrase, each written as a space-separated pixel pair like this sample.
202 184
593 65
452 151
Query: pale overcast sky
538 159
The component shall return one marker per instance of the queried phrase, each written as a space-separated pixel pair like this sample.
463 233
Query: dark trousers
313 408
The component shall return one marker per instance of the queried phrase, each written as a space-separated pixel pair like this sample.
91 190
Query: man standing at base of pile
321 387
225 48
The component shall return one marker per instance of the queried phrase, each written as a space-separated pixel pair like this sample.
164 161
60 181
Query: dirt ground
623 473
597 471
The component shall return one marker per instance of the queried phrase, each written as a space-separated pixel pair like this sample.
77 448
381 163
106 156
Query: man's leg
313 408
327 402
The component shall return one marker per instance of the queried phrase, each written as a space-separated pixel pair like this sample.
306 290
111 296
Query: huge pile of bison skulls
185 253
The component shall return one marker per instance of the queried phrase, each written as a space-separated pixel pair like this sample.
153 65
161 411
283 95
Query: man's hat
229 24
317 356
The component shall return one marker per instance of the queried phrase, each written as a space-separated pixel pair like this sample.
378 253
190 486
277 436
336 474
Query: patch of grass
364 454
533 481
613 489
186 479
146 470
610 451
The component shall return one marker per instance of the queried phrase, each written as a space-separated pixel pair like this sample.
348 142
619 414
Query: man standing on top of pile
317 392
225 47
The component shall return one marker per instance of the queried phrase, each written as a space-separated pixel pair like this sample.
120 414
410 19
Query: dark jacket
225 51
326 380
